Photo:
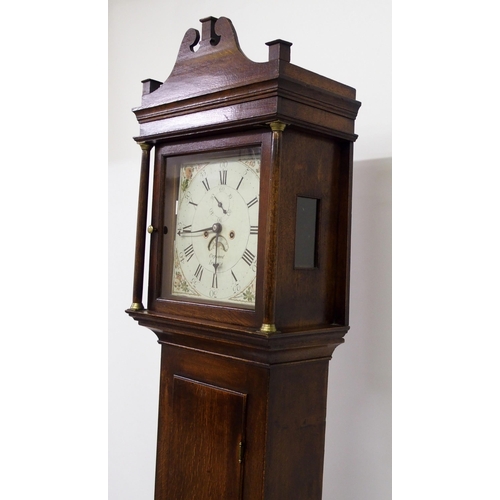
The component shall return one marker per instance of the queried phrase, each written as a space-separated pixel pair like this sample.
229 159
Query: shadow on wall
358 438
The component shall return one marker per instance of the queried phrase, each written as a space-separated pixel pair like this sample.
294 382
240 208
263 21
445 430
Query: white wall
348 41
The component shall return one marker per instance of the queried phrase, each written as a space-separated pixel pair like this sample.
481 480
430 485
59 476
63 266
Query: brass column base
136 306
266 328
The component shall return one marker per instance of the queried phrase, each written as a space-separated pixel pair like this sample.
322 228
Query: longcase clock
248 279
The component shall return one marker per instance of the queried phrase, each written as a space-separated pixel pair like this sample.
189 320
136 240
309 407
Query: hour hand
216 228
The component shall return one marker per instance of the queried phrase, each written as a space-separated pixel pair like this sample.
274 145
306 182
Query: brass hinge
241 451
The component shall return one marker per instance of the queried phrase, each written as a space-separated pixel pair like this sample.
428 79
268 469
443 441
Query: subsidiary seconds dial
215 246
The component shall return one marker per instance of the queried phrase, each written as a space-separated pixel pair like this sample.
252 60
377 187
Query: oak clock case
249 265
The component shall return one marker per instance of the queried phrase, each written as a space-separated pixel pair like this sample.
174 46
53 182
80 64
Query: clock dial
215 245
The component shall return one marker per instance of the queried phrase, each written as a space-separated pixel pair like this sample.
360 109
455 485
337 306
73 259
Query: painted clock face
217 214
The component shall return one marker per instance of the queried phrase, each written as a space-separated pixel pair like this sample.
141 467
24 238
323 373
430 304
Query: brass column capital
277 126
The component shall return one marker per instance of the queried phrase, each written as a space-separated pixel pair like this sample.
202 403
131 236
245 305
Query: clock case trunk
243 392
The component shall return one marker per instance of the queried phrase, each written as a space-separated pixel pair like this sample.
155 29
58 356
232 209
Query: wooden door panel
207 428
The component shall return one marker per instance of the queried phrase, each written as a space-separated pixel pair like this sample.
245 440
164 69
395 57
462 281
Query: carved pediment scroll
208 62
